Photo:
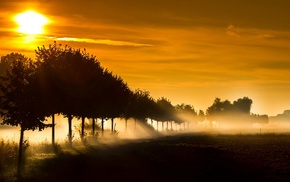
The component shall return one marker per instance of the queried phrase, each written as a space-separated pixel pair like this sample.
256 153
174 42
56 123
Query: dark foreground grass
173 158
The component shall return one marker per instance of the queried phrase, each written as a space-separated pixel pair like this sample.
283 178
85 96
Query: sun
31 22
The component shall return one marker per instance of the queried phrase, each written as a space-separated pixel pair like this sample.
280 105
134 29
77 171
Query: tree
186 113
5 62
71 80
19 101
219 109
166 111
115 96
226 111
79 86
256 118
201 115
140 107
47 60
243 105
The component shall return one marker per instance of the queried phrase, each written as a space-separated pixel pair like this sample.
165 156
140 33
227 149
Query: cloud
237 31
101 41
233 31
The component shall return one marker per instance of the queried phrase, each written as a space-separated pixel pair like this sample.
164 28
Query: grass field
186 157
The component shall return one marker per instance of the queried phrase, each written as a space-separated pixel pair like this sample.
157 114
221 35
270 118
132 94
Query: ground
186 157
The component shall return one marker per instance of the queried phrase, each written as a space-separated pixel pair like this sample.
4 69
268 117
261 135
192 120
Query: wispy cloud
233 31
101 41
252 33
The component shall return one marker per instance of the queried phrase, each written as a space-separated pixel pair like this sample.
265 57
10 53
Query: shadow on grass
176 158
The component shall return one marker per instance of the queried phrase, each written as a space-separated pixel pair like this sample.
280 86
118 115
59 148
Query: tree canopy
20 98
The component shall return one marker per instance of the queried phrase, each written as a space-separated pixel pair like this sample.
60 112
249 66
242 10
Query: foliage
166 111
186 112
141 105
201 115
243 105
239 110
74 83
6 61
70 79
115 96
256 118
19 99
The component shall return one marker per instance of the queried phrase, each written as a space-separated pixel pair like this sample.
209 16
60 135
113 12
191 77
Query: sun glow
31 22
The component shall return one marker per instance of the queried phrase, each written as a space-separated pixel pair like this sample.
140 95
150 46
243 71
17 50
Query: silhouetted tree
243 105
115 96
284 117
219 109
186 113
128 110
142 105
6 61
166 111
71 80
215 109
48 60
201 115
226 111
262 119
19 101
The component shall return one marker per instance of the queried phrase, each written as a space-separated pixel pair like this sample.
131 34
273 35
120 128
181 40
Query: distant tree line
238 111
72 82
284 117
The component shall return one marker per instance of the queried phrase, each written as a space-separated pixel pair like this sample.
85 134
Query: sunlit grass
41 157
101 154
8 157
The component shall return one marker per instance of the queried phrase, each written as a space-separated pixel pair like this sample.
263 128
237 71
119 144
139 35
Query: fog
141 130
134 130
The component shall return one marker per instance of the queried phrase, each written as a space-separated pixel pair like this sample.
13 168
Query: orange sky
189 51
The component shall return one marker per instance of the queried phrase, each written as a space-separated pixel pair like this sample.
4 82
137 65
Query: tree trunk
162 125
20 153
112 127
157 125
151 122
53 131
93 126
70 130
167 125
83 129
171 125
126 123
135 124
102 126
